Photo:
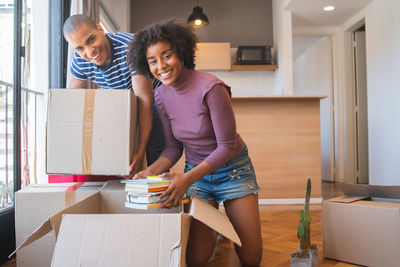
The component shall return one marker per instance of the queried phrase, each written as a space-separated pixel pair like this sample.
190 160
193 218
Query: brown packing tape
70 197
87 131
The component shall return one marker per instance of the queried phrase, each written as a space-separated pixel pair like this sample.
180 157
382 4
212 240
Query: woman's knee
197 259
248 261
250 256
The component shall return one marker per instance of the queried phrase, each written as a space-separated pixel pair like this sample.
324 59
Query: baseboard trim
279 201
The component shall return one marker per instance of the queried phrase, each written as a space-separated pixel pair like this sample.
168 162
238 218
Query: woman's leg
201 243
245 218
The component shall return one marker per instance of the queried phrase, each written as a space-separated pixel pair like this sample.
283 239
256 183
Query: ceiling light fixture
329 8
198 18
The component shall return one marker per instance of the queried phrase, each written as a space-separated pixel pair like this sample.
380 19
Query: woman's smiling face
164 62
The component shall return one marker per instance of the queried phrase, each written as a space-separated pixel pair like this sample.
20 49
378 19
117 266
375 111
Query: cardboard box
100 231
90 131
34 204
363 227
213 56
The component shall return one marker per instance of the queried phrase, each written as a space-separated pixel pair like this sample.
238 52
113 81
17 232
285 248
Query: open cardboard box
33 204
100 231
363 227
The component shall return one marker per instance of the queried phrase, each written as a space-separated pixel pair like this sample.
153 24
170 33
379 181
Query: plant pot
314 255
313 251
298 261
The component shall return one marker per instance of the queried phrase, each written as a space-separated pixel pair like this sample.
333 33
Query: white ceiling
310 13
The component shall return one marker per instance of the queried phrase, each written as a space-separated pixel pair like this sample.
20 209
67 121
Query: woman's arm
180 183
219 104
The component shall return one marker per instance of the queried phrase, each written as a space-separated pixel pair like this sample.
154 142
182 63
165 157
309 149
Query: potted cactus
307 254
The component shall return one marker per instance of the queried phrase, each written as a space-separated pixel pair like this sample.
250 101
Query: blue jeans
235 179
156 143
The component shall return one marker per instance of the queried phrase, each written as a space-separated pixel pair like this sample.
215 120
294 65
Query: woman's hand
176 190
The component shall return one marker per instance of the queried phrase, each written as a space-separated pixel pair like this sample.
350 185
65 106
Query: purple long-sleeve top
197 115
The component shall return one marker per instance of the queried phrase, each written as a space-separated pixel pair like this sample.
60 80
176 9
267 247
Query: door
360 107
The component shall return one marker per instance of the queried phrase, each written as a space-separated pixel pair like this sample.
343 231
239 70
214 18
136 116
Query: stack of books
144 193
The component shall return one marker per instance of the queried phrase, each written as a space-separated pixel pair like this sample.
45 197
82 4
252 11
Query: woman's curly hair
181 37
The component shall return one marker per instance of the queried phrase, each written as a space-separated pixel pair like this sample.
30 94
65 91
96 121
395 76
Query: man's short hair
73 23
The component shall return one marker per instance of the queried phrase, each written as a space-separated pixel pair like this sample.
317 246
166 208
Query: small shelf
254 67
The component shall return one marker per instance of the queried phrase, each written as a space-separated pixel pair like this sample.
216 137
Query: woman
197 115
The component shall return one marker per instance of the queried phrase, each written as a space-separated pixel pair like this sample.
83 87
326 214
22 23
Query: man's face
91 44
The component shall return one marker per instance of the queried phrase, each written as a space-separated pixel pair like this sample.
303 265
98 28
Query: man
101 58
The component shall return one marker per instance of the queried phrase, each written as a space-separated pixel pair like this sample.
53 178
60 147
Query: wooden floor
279 225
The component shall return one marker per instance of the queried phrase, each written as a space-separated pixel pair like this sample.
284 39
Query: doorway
360 112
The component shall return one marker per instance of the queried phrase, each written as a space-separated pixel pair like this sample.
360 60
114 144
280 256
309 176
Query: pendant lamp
198 19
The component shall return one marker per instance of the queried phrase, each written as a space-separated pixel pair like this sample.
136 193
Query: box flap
87 205
118 240
213 218
61 186
379 204
113 185
42 230
371 190
346 199
185 227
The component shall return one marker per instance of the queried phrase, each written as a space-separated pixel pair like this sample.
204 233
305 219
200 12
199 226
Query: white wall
383 62
312 75
383 69
245 83
282 29
236 21
120 11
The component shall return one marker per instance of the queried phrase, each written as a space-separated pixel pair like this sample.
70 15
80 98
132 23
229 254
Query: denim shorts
235 179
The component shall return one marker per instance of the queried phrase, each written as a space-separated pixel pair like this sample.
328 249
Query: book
144 197
157 178
148 180
147 206
146 185
144 189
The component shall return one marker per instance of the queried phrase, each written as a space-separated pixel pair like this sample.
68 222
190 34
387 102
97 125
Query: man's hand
136 165
144 92
76 83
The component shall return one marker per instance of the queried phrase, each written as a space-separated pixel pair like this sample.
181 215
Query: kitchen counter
282 134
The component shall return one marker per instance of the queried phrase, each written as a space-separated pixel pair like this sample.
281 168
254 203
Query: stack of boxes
94 132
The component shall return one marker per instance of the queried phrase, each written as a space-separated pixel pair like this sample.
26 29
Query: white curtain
90 8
